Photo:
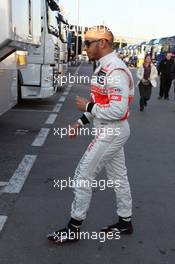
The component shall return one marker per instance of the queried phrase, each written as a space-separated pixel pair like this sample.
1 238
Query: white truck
40 79
20 29
63 44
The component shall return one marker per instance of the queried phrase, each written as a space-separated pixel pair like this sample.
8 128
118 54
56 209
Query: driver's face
91 46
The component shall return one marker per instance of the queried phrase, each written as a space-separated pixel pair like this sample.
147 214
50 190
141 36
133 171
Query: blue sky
136 18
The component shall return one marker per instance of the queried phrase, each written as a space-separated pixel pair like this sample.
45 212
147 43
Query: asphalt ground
38 208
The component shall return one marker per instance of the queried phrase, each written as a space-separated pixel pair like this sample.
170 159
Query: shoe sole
60 242
126 232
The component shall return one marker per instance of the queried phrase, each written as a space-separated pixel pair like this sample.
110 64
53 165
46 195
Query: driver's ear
102 43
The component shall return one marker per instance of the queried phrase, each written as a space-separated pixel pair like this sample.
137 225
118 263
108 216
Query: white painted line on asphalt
51 119
41 138
19 177
62 99
3 219
65 93
57 108
2 184
77 70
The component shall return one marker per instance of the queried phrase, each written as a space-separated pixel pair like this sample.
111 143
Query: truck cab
40 79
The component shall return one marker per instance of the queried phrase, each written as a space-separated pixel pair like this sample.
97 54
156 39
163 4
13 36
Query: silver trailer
20 29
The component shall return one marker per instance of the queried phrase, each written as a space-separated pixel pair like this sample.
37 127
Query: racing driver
112 90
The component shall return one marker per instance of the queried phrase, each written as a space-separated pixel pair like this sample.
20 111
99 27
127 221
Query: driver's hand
74 129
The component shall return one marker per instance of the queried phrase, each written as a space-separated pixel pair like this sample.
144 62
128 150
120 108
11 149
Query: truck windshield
63 32
52 22
63 28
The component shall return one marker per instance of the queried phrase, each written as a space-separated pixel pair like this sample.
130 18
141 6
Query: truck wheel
20 81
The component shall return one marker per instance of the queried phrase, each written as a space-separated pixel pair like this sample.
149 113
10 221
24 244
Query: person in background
120 54
126 60
147 75
164 71
161 56
173 76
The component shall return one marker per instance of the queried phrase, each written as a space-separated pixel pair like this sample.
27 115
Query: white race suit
112 90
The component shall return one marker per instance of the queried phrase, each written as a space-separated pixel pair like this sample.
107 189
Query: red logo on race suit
115 97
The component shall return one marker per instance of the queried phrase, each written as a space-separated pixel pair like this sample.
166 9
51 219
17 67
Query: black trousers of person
165 85
145 93
173 82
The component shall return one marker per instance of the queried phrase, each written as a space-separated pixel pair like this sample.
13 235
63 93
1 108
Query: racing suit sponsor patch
101 77
115 97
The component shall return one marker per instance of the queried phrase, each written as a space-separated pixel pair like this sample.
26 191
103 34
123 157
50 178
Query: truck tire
20 82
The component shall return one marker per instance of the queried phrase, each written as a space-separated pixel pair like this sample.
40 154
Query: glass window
52 22
63 32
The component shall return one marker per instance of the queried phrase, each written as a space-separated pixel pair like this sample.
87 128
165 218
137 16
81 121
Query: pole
78 17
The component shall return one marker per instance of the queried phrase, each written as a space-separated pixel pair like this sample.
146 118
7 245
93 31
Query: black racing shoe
141 108
120 227
64 235
145 103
